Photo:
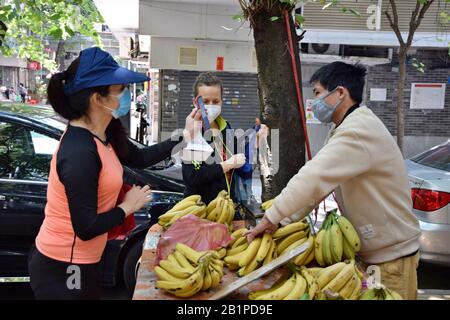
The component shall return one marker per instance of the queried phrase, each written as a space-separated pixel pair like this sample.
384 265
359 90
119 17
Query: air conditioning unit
324 48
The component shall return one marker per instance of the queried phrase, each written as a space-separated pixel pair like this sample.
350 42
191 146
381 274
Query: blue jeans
243 189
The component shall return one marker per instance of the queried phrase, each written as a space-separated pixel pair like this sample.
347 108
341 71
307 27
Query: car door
25 154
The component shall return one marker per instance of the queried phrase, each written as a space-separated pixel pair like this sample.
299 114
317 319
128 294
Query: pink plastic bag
199 234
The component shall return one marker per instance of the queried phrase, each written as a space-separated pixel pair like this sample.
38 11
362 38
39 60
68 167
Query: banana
329 273
309 258
294 245
174 269
289 229
349 252
299 288
349 233
231 212
336 243
266 242
184 288
234 259
341 278
315 271
349 286
189 253
183 205
326 247
313 286
267 204
212 205
238 249
250 252
215 277
221 253
238 234
281 292
286 242
223 217
239 242
318 248
171 259
183 262
164 275
213 215
194 197
395 295
280 281
207 280
270 254
301 258
356 291
252 266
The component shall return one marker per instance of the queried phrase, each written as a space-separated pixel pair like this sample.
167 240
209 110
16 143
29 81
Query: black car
29 136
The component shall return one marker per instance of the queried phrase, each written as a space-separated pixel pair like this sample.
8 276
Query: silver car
429 177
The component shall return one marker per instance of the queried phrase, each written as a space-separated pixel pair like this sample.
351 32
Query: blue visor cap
98 68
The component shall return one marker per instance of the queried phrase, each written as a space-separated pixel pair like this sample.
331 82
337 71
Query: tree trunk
60 55
279 99
400 99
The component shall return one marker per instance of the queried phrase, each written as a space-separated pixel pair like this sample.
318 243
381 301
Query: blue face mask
322 110
124 104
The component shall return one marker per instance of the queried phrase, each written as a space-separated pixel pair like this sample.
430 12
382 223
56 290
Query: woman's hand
135 199
193 126
263 226
235 162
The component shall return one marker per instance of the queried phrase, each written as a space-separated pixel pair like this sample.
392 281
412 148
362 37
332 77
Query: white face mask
214 111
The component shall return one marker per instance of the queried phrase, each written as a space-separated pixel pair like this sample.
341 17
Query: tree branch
415 21
394 23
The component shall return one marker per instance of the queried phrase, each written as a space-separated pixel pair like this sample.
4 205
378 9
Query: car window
438 158
25 154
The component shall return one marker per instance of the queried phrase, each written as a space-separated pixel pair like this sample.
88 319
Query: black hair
76 105
342 74
209 80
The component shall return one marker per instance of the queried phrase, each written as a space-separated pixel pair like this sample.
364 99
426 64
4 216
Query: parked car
429 176
29 136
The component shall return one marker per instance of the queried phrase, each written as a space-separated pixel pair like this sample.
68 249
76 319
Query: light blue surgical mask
124 104
322 110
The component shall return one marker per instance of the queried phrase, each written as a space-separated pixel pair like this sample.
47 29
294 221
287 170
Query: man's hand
264 226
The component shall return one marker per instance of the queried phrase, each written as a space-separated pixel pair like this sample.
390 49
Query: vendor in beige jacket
362 163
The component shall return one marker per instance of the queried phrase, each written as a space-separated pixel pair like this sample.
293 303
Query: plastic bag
199 234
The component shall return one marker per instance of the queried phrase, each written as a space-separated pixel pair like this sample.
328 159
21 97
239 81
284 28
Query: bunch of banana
337 239
186 271
267 204
190 205
342 278
249 257
293 235
221 209
380 294
294 287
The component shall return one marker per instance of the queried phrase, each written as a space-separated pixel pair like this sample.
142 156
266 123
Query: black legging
51 279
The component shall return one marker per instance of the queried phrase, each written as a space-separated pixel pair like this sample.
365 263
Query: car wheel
130 265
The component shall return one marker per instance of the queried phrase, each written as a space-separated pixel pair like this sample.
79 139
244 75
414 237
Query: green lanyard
221 158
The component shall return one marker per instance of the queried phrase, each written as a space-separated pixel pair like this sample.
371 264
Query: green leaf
239 16
300 19
274 18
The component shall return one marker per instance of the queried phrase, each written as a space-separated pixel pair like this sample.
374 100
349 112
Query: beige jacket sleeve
345 156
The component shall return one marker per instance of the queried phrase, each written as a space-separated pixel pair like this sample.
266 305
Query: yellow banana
349 233
309 258
184 288
318 248
212 205
164 275
301 258
286 242
281 292
329 273
207 280
234 259
349 286
231 211
299 288
369 294
313 286
252 266
266 242
315 271
341 278
222 252
294 245
289 229
327 247
336 243
215 277
223 216
356 291
348 251
270 254
189 253
267 204
238 249
280 281
239 242
183 262
250 252
238 233
174 269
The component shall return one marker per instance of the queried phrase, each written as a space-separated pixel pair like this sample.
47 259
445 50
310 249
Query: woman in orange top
86 176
